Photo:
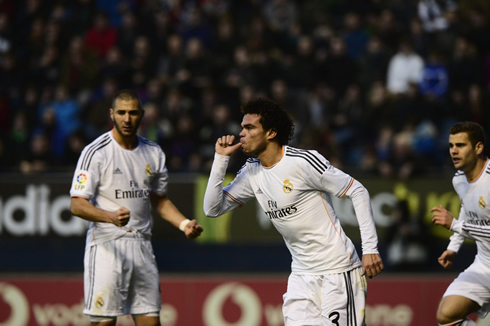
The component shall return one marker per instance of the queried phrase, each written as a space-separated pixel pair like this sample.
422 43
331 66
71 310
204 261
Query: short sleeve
87 175
160 181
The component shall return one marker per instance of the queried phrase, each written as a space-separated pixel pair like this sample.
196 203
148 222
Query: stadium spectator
39 158
239 50
101 36
405 67
373 63
434 82
355 36
79 70
95 111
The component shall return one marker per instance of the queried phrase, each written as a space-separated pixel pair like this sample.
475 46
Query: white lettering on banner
59 314
345 210
39 214
273 315
19 306
385 315
27 203
168 315
242 295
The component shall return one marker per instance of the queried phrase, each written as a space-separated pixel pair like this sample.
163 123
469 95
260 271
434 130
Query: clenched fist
120 217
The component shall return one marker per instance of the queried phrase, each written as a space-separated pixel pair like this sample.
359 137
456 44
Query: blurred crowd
372 84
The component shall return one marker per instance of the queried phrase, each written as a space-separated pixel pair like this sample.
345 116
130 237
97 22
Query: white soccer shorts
321 300
473 283
121 277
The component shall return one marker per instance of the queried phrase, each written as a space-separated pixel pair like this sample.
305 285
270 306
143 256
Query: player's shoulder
459 179
147 142
250 165
91 151
307 157
252 161
103 140
458 174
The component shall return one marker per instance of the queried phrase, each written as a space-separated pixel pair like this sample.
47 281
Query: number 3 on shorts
334 316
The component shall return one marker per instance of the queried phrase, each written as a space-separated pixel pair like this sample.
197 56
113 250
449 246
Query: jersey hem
305 322
113 313
324 272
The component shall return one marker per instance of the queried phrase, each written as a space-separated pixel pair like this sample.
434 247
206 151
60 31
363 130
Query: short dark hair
127 95
272 116
475 132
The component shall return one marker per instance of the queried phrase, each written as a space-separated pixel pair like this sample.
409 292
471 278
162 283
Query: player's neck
476 170
272 155
128 143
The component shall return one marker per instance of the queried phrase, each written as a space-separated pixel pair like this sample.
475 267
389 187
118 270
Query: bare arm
167 210
82 208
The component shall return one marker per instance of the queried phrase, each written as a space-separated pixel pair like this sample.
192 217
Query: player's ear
271 133
111 114
479 148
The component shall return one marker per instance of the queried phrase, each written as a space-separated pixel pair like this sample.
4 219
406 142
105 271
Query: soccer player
117 177
327 285
470 291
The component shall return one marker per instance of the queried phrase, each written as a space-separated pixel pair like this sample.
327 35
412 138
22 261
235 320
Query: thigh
344 299
102 280
455 307
144 290
146 320
302 304
472 285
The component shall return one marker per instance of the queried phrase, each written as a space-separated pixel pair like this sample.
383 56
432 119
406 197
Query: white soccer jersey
474 217
295 194
113 177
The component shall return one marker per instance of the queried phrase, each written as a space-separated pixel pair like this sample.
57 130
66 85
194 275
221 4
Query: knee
442 319
446 316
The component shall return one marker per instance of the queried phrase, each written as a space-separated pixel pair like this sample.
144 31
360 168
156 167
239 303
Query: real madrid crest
287 187
148 170
481 202
99 303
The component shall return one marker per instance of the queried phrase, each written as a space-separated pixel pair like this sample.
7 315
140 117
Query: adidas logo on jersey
117 171
259 192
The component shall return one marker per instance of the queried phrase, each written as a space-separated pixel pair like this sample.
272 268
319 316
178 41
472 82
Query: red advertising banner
216 301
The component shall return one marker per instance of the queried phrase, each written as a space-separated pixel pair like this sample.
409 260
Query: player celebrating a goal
116 178
470 291
327 285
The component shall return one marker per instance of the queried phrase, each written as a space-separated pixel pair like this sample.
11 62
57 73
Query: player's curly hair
475 132
272 116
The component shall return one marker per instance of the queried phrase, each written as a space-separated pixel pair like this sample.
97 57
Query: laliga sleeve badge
80 181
